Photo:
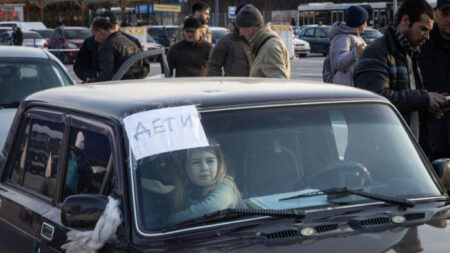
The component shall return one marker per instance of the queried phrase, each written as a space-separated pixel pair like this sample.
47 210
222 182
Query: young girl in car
207 186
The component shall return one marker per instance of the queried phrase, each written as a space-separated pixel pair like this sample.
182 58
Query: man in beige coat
269 55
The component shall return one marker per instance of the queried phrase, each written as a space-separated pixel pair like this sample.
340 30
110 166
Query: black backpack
327 73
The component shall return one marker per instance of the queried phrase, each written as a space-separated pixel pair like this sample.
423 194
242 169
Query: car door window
321 33
89 163
35 166
309 33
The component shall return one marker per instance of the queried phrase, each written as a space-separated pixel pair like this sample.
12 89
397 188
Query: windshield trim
289 104
141 232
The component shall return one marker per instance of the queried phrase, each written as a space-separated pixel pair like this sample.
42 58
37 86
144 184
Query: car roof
161 26
19 51
74 28
217 28
120 98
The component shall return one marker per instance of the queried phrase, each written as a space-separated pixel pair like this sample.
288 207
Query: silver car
23 71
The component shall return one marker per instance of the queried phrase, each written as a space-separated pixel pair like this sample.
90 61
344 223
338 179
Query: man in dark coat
232 53
435 65
86 65
389 67
189 57
17 36
114 50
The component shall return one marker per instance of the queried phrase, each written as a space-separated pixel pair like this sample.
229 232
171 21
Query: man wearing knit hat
347 44
389 67
269 55
435 66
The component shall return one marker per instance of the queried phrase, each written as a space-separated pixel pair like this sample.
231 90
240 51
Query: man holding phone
389 67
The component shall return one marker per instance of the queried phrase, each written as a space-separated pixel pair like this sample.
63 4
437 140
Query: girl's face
201 167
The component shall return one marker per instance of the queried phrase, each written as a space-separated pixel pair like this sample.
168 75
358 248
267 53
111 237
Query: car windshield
77 34
257 157
31 35
21 77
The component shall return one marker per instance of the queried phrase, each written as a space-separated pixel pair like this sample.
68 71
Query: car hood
7 116
431 235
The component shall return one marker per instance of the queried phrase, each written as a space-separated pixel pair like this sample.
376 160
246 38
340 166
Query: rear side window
35 165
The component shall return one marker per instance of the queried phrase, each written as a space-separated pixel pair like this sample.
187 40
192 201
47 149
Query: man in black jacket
435 65
115 49
232 53
189 57
17 36
86 66
389 67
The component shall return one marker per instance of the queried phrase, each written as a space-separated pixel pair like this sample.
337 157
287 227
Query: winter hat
442 4
355 16
248 16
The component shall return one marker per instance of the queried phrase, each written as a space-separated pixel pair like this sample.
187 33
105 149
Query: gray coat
343 55
231 53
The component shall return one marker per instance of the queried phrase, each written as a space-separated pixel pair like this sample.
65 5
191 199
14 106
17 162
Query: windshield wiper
343 192
234 213
10 105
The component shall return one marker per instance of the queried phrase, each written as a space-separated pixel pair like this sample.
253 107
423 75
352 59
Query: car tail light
45 43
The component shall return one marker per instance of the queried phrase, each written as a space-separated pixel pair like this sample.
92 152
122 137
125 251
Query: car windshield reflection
256 157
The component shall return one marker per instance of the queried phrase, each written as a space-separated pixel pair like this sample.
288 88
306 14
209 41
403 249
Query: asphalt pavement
308 68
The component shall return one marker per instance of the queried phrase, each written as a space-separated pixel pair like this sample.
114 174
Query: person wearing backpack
347 44
269 55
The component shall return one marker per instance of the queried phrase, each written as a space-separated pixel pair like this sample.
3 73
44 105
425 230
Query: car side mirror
442 168
83 211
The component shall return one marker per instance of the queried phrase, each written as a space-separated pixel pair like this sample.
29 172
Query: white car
25 70
301 47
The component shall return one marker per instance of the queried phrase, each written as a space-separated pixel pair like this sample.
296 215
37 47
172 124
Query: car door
308 35
322 40
87 168
29 182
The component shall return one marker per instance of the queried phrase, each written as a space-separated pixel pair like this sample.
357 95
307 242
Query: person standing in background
16 36
347 44
269 55
435 66
232 53
189 57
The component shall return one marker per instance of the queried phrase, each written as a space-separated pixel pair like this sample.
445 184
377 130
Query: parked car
162 34
309 168
317 37
218 33
369 35
46 34
24 70
24 26
68 38
34 39
301 48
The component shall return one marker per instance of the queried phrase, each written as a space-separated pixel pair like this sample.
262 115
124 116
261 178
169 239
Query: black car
216 165
369 35
162 34
317 37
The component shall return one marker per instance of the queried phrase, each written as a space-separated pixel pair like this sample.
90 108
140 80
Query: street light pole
216 18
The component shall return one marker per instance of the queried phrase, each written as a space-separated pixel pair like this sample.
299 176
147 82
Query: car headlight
71 46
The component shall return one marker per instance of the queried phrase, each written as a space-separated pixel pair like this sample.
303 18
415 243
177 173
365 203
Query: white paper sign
163 130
